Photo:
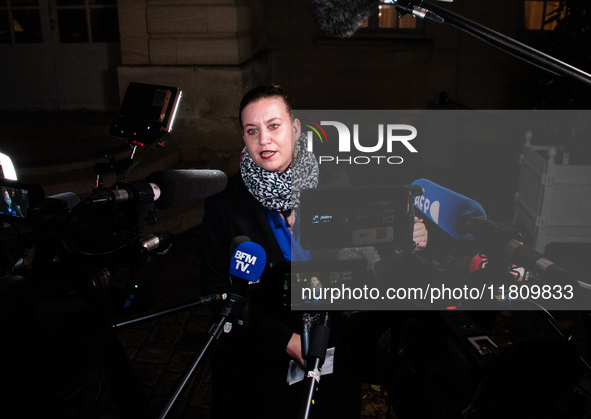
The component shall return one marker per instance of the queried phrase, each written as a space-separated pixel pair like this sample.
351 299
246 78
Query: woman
250 364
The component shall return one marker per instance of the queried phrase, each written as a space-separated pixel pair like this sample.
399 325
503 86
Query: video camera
68 267
109 221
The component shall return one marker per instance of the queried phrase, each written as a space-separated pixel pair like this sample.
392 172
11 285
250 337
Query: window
20 21
386 21
88 20
542 15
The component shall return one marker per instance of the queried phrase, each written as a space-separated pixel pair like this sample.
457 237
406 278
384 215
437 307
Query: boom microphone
449 210
183 186
341 19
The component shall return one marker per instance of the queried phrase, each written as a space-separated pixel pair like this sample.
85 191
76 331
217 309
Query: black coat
235 212
249 365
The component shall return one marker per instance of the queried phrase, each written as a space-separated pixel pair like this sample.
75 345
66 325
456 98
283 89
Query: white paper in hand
295 372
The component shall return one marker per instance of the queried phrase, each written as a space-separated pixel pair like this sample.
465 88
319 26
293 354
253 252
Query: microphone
309 320
183 186
341 19
139 191
464 219
247 262
314 357
168 188
449 210
246 266
319 336
514 272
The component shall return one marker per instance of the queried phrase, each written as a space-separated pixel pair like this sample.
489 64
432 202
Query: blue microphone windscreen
248 261
445 207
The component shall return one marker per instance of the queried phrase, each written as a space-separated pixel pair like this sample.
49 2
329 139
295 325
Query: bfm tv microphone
449 210
247 264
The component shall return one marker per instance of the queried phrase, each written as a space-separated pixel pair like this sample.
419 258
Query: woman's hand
294 348
420 234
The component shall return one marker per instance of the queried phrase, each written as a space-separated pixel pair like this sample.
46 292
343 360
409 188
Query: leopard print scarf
279 191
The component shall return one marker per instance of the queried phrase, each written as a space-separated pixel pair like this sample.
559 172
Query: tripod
232 303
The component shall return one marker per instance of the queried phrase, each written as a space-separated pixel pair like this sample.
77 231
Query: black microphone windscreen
319 342
341 19
308 320
183 186
237 241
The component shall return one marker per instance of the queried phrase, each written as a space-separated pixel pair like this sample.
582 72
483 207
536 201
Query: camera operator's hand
420 234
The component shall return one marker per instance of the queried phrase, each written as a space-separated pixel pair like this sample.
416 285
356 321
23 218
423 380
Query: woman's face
269 133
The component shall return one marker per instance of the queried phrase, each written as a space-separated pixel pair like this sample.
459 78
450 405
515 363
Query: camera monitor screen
147 113
299 283
17 198
355 216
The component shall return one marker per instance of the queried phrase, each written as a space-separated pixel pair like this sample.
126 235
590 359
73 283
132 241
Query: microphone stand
202 301
424 10
233 302
314 360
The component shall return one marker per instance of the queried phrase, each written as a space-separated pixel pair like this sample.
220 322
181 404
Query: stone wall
205 47
216 50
